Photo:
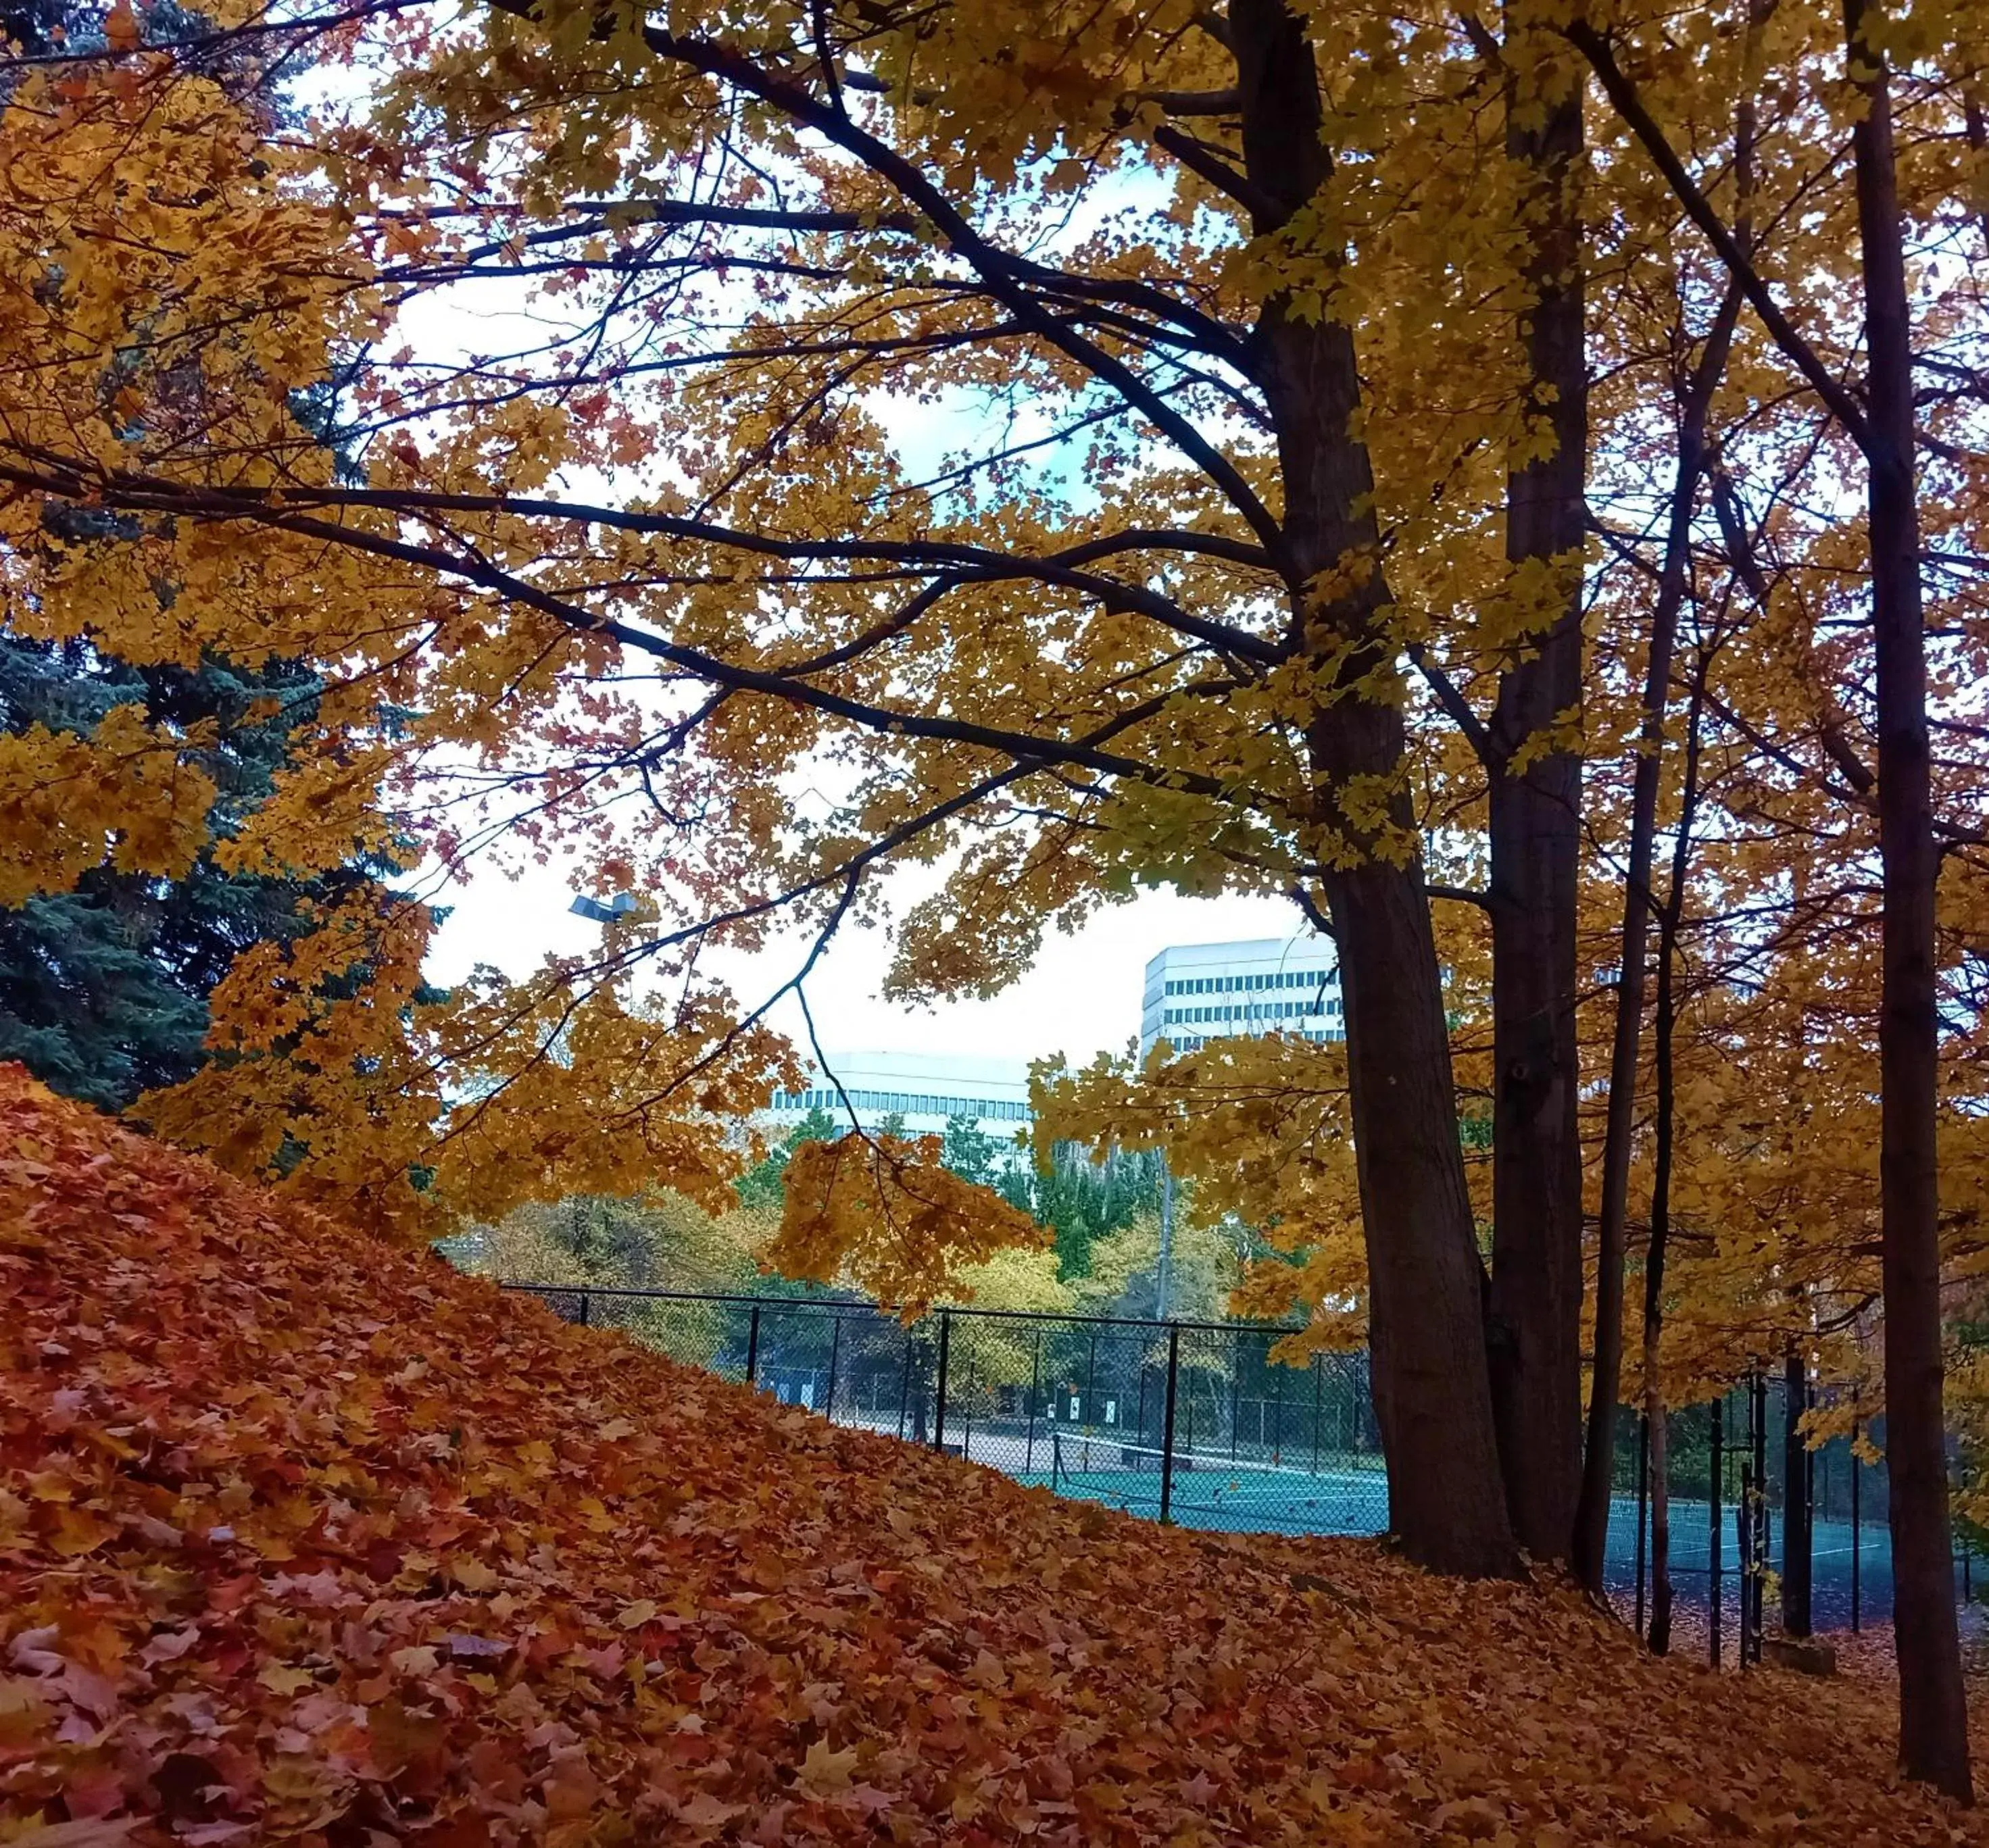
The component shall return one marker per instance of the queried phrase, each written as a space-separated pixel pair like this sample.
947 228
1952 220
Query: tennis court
1086 1405
1210 1489
1213 1491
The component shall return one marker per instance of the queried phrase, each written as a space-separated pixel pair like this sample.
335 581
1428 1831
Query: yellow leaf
281 1680
78 1532
825 1769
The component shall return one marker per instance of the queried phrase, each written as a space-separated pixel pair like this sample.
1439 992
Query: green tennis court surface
1212 1491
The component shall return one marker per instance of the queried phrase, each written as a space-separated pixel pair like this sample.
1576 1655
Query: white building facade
1198 992
927 1090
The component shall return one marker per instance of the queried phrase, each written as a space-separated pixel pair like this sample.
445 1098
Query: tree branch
1061 569
997 271
1203 162
1193 101
1455 705
774 683
1837 397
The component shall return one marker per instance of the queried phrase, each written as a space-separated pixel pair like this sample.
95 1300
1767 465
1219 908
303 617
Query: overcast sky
1082 996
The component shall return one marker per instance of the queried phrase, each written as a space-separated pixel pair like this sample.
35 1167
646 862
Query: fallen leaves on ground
304 1539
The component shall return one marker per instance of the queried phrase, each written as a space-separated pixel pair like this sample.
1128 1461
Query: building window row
1252 1010
1236 984
903 1103
1193 1042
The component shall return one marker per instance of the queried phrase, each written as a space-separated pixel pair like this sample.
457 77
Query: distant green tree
764 1185
1017 1185
969 1150
1084 1198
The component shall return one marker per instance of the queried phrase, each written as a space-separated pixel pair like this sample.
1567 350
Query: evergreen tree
1084 1199
969 1150
764 1185
103 990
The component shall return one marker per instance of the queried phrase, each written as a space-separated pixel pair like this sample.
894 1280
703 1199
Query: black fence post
585 1298
1857 1537
1277 1407
1763 1526
753 1346
1235 1391
966 1417
1188 1441
905 1386
1035 1391
834 1355
1798 1550
1318 1370
1643 1505
1089 1415
1716 1589
938 1406
1167 1425
1743 1536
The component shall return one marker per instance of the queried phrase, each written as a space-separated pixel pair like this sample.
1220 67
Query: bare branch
1836 396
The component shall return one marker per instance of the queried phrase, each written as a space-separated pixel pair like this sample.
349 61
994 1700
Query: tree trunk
1432 1389
1658 1453
1535 1305
1797 1543
1591 1526
1425 1281
1591 1535
1933 1729
1663 1139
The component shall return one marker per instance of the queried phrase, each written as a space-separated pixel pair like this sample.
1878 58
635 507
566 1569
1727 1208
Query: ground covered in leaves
303 1538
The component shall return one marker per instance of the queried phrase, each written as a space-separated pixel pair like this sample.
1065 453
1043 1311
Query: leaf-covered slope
304 1537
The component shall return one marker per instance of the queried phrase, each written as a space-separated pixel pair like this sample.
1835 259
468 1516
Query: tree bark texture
1658 1452
1663 1146
1933 1728
1797 1514
1535 1304
1591 1527
1431 1390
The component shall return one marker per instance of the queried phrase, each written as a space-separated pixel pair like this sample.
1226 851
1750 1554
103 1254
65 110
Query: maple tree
887 1213
1309 371
537 641
302 1533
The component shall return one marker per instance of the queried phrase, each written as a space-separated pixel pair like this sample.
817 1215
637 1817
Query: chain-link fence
1204 1424
1747 1556
1196 1422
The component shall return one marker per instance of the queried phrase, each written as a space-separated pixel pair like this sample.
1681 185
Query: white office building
1198 992
926 1090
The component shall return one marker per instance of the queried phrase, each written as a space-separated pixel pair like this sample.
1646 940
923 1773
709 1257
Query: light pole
596 910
